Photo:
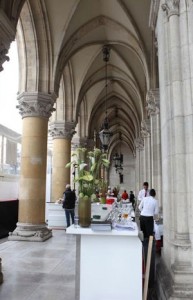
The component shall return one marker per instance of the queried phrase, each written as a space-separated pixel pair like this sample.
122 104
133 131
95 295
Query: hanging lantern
105 134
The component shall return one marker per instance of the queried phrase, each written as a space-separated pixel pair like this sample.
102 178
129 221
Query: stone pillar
145 134
1 274
62 133
177 252
35 109
139 144
152 99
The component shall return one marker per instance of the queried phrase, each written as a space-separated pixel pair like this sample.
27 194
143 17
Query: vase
84 212
103 200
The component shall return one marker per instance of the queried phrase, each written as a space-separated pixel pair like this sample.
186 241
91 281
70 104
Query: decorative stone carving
36 104
139 143
59 130
171 7
25 232
83 142
7 35
145 128
152 99
3 56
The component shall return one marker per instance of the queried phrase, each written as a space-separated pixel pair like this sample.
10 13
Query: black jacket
69 199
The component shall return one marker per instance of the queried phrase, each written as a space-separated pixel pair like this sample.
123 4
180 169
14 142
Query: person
109 191
132 198
124 195
115 192
149 209
144 192
69 198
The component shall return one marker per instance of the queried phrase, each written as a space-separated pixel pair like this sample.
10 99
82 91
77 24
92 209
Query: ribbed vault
65 38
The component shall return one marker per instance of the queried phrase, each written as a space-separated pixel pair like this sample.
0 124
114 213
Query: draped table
108 264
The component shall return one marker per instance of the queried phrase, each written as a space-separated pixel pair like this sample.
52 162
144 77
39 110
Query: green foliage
88 166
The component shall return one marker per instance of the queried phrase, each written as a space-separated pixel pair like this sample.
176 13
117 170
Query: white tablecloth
158 229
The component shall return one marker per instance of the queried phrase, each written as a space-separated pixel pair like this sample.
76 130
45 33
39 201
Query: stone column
152 99
35 109
177 252
139 144
1 274
145 134
62 133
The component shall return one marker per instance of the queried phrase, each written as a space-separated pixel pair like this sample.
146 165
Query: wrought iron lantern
105 134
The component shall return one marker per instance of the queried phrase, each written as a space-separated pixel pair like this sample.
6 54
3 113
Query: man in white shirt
149 208
144 192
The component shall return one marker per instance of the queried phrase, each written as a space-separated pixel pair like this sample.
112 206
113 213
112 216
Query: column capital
36 104
7 35
145 128
83 142
171 7
3 56
139 143
152 99
62 130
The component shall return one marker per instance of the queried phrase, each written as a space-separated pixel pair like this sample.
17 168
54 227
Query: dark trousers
147 226
69 213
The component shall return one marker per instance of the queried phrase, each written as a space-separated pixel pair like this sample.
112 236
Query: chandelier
105 134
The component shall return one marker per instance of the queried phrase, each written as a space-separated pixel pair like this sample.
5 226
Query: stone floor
34 270
45 271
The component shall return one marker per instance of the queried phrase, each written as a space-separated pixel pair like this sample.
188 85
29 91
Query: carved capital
171 7
3 56
83 142
139 143
36 104
7 35
152 99
145 128
62 130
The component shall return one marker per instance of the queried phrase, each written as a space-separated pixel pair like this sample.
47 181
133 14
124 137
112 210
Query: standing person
124 195
132 198
144 192
69 204
149 208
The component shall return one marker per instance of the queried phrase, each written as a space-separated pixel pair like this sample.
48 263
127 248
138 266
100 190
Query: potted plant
88 177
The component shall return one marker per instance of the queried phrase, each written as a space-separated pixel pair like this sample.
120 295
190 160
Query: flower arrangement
88 175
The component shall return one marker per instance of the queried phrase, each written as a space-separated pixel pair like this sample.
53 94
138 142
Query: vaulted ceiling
66 39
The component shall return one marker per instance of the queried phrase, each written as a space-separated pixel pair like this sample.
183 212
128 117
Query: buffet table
108 264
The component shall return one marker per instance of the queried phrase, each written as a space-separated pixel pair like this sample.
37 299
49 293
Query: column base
1 274
167 289
30 232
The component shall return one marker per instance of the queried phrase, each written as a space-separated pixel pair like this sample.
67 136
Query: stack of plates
124 226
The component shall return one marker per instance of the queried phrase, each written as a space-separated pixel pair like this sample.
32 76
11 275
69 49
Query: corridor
35 270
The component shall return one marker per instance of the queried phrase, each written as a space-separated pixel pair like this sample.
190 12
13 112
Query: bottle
76 218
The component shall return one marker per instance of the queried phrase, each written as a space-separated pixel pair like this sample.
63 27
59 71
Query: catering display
102 255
